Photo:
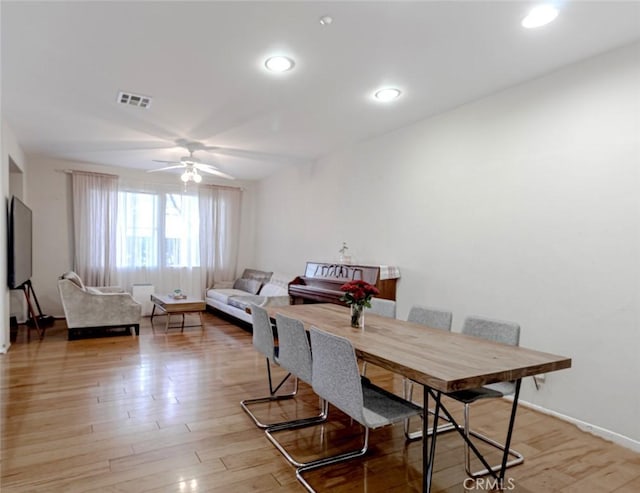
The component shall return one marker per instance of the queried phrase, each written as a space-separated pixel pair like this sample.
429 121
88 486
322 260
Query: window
181 231
157 230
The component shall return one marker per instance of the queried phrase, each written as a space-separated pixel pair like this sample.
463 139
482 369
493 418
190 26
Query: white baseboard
612 436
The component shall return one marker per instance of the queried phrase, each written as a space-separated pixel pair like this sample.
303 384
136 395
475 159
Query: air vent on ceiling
134 99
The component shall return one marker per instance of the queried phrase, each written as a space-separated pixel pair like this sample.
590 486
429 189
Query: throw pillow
249 285
74 278
258 275
271 289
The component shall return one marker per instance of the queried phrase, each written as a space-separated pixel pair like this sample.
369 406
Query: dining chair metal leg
294 425
518 458
270 398
335 459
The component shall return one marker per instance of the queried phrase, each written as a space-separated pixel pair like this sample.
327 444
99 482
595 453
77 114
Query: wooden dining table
441 361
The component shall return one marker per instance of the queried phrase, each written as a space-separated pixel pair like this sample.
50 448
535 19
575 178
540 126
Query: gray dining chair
264 342
498 331
435 319
382 307
431 317
294 355
336 379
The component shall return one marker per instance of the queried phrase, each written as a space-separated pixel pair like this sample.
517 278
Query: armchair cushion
108 289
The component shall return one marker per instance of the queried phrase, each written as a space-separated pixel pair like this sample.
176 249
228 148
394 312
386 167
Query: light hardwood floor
161 412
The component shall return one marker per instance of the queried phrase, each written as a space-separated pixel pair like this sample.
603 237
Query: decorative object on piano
344 258
358 296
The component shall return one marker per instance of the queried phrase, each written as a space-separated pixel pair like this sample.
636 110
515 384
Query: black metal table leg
512 421
460 431
426 463
429 450
458 428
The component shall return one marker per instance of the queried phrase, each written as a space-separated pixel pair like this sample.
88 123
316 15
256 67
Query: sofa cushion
92 290
244 301
251 286
222 295
271 289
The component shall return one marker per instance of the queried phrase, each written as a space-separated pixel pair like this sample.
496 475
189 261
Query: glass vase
357 316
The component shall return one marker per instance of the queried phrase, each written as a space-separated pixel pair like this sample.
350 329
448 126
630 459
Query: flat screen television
20 238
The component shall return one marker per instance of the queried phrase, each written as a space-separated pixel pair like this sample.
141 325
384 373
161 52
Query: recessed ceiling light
540 16
279 63
325 20
387 94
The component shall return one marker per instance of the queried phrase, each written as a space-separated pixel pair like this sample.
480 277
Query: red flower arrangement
358 293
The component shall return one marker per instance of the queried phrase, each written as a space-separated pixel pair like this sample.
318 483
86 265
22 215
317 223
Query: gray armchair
96 308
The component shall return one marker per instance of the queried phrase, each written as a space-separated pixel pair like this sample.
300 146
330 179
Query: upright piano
321 281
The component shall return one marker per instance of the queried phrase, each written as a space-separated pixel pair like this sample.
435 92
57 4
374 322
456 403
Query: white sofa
254 287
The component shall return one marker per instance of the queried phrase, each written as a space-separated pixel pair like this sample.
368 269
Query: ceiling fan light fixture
192 168
279 64
191 174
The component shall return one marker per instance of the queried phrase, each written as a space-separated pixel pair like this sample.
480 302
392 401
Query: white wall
49 191
523 206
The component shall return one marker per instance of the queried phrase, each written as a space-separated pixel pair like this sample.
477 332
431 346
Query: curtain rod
72 171
221 187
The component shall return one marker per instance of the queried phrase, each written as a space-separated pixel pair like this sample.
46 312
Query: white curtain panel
130 232
219 233
95 208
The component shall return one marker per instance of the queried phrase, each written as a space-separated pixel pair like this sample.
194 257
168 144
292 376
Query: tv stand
39 321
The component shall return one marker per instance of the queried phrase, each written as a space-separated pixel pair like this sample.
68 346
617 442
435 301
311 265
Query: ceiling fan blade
166 167
242 153
204 167
166 162
212 170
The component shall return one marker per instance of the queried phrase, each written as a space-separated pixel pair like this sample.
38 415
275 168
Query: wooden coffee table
170 305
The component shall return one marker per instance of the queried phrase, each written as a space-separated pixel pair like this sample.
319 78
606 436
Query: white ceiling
63 64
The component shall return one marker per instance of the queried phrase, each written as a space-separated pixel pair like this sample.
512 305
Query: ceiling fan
191 167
